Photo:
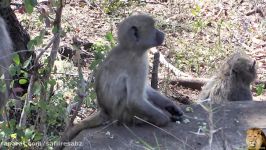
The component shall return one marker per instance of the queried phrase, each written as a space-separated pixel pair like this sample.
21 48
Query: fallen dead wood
192 83
197 83
186 80
168 65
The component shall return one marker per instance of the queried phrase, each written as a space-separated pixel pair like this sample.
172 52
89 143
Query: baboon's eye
234 71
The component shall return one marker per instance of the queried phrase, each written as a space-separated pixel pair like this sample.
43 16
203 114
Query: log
197 83
192 83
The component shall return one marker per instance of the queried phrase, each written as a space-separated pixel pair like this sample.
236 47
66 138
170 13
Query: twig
81 92
257 10
23 117
55 47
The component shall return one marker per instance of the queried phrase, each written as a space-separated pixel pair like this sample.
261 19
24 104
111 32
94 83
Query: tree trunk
20 39
19 36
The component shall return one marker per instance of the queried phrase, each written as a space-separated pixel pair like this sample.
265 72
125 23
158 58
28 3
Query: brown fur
5 61
255 139
233 81
121 81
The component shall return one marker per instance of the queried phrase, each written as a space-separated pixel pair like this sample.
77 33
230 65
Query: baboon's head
139 33
244 69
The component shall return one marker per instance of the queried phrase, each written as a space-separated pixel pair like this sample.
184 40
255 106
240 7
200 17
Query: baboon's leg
241 94
163 102
97 119
149 112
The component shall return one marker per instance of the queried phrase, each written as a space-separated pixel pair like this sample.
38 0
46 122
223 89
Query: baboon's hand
175 111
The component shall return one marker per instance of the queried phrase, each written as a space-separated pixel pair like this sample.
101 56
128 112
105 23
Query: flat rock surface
230 123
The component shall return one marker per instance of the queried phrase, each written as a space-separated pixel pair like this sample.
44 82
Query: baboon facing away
121 87
233 81
5 61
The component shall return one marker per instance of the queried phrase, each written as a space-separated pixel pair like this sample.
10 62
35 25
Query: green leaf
23 81
27 62
38 40
28 6
2 86
31 44
260 89
37 136
109 36
37 88
13 70
13 136
55 30
16 59
52 82
24 74
29 133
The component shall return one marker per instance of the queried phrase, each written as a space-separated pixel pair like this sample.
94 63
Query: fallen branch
257 10
192 83
197 83
163 61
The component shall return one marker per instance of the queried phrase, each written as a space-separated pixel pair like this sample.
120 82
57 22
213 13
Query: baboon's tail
96 120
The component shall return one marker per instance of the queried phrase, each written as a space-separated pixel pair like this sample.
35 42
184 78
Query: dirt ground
229 125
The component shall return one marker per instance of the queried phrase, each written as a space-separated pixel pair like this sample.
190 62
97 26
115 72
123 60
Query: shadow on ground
230 121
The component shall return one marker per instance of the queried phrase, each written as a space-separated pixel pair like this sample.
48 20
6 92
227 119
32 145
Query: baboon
121 81
5 61
233 81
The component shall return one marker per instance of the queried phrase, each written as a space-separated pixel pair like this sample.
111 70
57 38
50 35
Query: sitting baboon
5 61
121 81
233 81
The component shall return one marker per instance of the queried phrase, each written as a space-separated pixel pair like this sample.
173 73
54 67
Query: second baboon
121 81
5 61
233 81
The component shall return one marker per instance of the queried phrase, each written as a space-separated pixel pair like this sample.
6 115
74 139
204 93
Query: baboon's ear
134 33
254 65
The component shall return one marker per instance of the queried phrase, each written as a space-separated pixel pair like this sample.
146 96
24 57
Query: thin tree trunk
19 36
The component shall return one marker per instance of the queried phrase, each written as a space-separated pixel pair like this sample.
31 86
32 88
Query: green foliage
17 69
260 89
29 5
101 48
12 136
23 81
38 40
16 59
196 10
110 38
2 84
111 6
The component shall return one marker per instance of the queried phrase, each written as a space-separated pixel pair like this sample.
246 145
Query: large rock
230 123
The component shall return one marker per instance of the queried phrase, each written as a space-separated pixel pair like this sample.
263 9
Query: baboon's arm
156 98
163 102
